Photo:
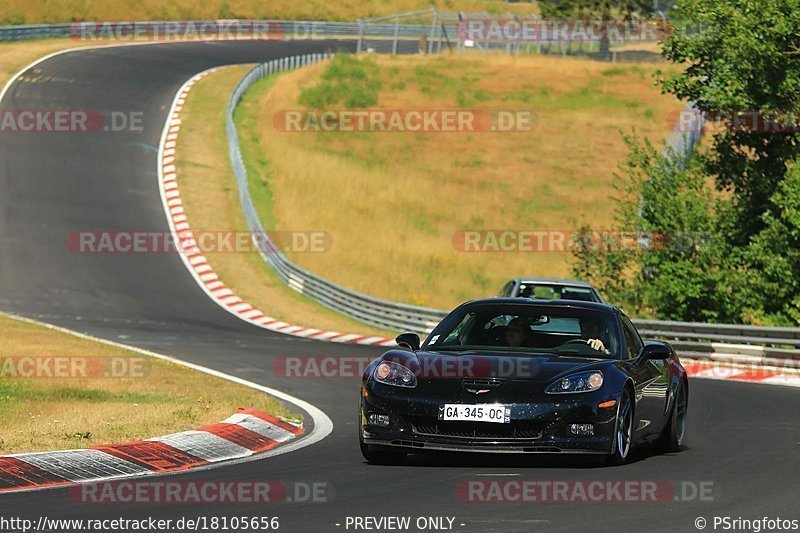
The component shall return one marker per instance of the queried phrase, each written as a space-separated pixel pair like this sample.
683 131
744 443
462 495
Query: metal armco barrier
690 339
381 313
429 30
297 29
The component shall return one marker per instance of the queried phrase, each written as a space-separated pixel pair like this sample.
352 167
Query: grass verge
102 394
39 11
393 202
210 199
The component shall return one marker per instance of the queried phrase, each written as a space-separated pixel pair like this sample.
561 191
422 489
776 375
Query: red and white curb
246 433
750 373
193 257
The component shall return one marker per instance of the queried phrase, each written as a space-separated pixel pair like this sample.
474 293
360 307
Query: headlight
580 382
395 374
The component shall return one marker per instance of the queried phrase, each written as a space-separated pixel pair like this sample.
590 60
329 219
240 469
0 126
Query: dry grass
37 11
75 412
210 198
639 46
393 201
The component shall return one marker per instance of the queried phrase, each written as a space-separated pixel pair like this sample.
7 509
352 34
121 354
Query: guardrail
429 30
299 29
381 313
689 338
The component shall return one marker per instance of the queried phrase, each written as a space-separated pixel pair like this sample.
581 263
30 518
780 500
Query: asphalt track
744 438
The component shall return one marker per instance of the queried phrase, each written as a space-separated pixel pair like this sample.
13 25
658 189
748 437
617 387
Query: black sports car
518 376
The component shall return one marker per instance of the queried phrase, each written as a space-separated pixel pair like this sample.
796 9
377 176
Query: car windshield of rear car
542 291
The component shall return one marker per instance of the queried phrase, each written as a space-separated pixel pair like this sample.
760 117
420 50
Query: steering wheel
575 341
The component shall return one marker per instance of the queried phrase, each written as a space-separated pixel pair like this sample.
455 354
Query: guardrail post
396 35
360 35
433 31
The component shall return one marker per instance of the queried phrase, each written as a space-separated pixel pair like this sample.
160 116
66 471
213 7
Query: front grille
489 383
478 431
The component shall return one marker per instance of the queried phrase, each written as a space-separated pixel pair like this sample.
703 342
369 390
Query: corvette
507 375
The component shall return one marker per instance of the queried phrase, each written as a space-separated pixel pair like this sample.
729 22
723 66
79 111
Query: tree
741 60
740 64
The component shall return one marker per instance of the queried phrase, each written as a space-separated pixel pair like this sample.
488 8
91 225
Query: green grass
345 81
13 391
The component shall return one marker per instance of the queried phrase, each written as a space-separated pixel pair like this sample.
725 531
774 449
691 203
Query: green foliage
668 206
594 8
741 56
730 255
346 80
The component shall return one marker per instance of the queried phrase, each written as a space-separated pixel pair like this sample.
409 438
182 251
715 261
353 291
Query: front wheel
675 430
623 435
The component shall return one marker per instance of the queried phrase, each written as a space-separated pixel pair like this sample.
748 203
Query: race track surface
743 438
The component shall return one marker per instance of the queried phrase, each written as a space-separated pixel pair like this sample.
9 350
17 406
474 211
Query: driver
593 332
517 333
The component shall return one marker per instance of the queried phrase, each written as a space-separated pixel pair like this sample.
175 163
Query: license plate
498 414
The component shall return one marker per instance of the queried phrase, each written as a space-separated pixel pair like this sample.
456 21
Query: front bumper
538 425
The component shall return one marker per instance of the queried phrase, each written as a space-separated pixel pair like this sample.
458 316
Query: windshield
542 329
544 291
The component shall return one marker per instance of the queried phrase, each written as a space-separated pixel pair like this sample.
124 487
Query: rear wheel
675 430
623 435
381 455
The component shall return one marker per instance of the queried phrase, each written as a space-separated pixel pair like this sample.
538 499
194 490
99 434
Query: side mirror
408 340
655 350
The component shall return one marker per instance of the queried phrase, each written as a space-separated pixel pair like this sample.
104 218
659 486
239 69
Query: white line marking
323 426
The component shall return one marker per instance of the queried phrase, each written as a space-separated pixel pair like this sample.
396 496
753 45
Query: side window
507 288
632 338
456 336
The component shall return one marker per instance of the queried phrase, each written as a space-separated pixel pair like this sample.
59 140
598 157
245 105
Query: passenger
517 333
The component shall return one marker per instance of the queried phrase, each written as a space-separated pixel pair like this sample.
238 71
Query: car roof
541 303
554 281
